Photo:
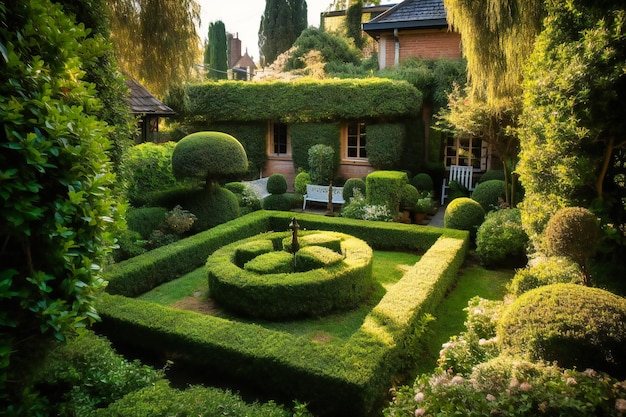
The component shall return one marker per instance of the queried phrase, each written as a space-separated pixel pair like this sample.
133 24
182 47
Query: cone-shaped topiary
209 156
463 213
576 326
423 182
350 186
490 194
277 184
572 232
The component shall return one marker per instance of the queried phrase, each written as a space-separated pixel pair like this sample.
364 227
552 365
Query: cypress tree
215 56
281 24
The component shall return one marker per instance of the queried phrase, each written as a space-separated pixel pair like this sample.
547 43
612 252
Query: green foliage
385 188
306 135
148 168
490 194
86 374
464 214
492 174
281 202
252 137
385 144
423 182
209 156
457 190
145 220
359 208
501 240
281 24
217 57
55 189
354 14
409 197
322 164
291 102
129 244
212 207
302 179
333 48
574 325
572 232
546 271
350 186
277 184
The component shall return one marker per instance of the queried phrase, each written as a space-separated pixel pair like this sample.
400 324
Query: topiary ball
276 184
423 182
457 190
215 206
279 202
408 197
302 179
208 156
350 186
551 270
492 174
490 194
573 232
501 240
576 326
463 213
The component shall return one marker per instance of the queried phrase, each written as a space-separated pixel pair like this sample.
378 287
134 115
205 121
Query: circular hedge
574 325
350 186
490 194
463 213
257 277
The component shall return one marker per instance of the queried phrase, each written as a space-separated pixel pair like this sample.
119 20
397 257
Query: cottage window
466 152
279 141
355 141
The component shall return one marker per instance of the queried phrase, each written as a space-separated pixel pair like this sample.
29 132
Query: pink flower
419 397
457 380
420 412
571 381
525 386
490 397
620 405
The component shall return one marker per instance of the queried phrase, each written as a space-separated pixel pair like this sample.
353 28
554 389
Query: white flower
420 412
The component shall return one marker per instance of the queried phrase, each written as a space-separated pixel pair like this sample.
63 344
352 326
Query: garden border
335 380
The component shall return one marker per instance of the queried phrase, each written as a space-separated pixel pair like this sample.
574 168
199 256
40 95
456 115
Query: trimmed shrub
145 220
490 194
385 188
409 197
573 325
277 184
572 232
276 262
309 133
423 182
281 202
492 174
350 186
321 164
546 271
385 144
129 244
209 156
302 179
236 187
457 190
147 168
212 207
501 240
464 214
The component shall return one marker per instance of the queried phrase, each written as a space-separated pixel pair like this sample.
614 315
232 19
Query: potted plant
424 206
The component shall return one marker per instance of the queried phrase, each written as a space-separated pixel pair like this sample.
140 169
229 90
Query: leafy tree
55 188
281 24
155 40
333 49
215 55
573 120
353 23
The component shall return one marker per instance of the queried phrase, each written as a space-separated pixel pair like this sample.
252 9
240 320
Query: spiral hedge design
259 276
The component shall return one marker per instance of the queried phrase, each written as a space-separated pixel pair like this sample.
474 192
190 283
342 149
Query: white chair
462 175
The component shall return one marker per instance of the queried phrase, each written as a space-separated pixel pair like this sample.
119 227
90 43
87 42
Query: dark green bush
148 168
572 232
235 187
280 202
457 190
463 213
573 325
409 197
321 164
302 179
129 244
212 207
423 182
501 240
277 184
385 144
546 271
350 186
332 47
385 188
308 133
492 174
145 220
490 194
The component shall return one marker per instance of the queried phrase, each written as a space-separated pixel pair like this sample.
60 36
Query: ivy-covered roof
410 14
303 100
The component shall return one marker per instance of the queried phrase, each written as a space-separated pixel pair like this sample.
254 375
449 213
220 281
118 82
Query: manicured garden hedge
340 378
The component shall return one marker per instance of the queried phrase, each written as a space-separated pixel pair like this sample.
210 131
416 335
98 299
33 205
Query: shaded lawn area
189 292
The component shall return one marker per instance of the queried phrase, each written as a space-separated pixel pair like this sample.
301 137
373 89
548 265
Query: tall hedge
302 101
305 135
385 188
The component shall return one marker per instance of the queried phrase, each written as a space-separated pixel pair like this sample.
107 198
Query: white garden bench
319 194
461 174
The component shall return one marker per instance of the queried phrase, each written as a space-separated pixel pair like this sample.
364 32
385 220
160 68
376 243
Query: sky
244 17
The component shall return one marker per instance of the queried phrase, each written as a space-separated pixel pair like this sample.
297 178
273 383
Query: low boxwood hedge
339 378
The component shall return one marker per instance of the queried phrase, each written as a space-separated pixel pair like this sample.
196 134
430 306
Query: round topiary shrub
490 194
572 232
501 240
573 325
215 206
408 197
259 277
457 190
351 185
492 174
551 270
463 213
277 184
423 182
302 179
280 202
209 156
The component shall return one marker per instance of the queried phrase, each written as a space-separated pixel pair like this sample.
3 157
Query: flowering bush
357 208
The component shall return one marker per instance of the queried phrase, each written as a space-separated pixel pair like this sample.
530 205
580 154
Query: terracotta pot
419 217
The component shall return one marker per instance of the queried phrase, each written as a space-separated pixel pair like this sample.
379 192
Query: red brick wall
431 43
